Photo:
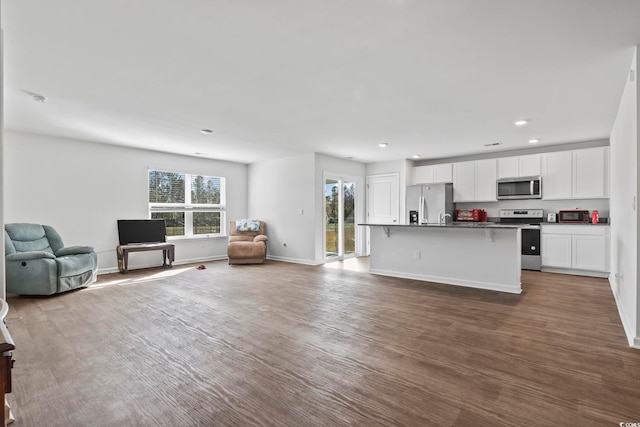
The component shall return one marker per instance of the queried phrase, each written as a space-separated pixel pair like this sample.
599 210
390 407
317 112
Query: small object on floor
201 267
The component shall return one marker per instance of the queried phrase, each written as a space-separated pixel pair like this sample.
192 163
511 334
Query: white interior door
383 199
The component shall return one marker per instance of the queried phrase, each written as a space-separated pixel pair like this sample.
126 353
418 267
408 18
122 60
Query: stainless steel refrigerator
426 203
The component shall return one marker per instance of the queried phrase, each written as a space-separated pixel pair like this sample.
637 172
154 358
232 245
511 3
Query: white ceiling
274 78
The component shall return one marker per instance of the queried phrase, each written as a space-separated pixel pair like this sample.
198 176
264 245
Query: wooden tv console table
168 253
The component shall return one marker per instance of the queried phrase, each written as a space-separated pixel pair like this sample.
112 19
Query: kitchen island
477 255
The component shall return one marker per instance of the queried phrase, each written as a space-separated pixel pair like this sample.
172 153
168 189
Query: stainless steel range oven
530 220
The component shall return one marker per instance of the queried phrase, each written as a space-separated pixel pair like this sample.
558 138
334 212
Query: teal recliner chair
37 263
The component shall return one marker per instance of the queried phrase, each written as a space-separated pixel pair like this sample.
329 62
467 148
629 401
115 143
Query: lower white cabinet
556 250
576 247
589 252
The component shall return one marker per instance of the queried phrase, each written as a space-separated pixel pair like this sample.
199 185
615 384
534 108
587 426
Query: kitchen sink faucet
442 217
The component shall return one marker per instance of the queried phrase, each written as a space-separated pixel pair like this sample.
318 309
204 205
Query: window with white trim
191 205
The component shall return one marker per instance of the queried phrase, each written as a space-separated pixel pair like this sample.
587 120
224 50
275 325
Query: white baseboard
446 280
180 262
294 260
627 325
586 273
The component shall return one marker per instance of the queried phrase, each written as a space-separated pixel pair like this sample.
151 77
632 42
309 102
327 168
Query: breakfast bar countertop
458 224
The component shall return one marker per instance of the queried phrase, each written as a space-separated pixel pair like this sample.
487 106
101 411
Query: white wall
81 188
623 205
278 189
2 276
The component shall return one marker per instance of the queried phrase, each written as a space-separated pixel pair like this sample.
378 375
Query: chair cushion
74 250
73 265
246 250
260 238
248 225
28 237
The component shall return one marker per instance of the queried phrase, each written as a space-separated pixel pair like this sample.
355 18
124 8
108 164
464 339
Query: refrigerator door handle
425 214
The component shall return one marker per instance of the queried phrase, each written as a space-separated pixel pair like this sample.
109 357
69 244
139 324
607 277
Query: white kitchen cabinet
508 167
422 175
577 174
591 173
518 166
431 174
583 248
556 175
556 250
464 182
589 252
475 181
486 175
443 172
530 165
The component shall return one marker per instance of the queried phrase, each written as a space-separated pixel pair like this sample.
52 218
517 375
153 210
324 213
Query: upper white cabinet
475 181
530 165
464 182
556 175
591 173
577 174
517 166
486 175
433 174
422 175
443 172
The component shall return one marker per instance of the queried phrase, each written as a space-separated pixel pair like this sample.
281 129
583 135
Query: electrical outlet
416 254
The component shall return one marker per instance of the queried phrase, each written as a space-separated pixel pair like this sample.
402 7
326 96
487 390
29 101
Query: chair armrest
74 250
260 238
27 256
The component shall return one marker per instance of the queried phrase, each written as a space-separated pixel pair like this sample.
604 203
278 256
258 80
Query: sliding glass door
341 231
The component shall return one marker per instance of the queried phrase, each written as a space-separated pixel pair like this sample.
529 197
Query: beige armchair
247 245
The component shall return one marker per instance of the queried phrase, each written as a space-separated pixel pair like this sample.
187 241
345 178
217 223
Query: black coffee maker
413 217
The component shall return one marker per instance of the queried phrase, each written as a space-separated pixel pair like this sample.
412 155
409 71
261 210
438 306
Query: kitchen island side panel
479 258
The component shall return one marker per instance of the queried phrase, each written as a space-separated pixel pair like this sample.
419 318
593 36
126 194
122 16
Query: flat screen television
142 231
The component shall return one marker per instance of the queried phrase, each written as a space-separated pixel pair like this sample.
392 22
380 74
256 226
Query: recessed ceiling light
383 145
534 140
520 122
206 131
416 156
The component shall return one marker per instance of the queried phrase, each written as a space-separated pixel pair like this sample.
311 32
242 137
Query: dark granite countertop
453 225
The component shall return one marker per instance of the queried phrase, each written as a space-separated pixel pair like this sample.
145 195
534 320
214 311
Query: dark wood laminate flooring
292 345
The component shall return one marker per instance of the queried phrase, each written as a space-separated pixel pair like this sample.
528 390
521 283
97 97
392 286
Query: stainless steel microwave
529 187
